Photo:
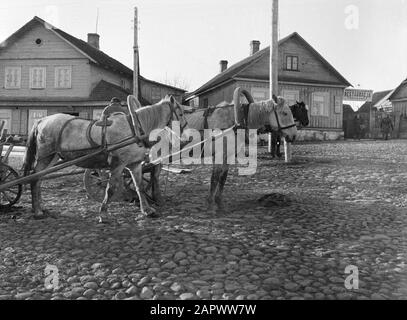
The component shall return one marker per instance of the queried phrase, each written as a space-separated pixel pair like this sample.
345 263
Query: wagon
11 195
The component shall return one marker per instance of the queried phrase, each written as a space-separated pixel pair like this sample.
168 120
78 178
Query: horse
65 137
300 114
259 114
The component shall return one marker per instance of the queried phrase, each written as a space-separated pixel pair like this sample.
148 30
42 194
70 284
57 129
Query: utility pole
274 68
136 56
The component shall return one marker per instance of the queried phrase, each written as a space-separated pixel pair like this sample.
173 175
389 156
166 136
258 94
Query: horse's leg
115 180
222 180
36 199
137 176
216 173
155 184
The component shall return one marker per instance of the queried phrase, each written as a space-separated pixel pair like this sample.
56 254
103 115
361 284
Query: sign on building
358 95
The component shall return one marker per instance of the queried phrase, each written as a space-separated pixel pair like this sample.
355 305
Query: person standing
386 126
357 125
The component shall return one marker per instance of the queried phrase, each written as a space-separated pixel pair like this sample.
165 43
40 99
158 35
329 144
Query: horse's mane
151 116
259 112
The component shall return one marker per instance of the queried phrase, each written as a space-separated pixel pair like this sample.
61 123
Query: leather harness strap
89 135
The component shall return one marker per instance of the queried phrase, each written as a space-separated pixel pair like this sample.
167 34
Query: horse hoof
104 220
151 213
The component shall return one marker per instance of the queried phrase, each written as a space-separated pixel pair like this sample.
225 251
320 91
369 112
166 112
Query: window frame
255 90
44 80
325 111
292 58
56 76
285 92
6 69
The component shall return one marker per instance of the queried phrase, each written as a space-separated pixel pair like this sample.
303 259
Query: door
5 115
34 116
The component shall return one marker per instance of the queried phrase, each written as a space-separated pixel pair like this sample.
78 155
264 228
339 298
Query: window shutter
12 77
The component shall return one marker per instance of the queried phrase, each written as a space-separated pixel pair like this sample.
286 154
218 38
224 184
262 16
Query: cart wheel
11 195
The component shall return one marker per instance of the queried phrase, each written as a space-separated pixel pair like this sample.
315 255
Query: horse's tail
31 151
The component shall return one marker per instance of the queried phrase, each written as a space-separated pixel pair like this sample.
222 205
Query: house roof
397 90
95 55
377 96
236 69
105 91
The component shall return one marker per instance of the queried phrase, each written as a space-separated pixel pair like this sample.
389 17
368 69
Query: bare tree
177 81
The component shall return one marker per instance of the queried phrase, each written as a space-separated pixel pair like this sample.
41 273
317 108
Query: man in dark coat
357 125
387 126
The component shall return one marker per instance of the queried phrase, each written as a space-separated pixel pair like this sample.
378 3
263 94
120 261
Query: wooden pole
136 56
273 56
274 64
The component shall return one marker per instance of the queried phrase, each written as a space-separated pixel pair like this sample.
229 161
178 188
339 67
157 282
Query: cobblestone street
346 205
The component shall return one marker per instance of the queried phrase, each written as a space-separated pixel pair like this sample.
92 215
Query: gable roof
237 68
377 96
105 91
396 91
95 55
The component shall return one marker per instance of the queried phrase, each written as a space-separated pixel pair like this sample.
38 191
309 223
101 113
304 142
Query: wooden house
372 112
399 100
304 75
44 70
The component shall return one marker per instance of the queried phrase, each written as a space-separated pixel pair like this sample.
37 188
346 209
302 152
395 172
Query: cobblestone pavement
346 206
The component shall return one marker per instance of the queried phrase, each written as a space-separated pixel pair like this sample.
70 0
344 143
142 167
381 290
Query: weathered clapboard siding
52 46
331 121
400 107
97 74
80 85
218 95
20 115
154 92
310 67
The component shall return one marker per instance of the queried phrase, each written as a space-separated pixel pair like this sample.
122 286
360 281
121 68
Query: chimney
223 65
93 40
254 46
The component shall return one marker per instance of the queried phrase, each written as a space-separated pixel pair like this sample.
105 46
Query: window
5 115
12 78
292 63
291 96
34 116
97 113
155 94
37 77
320 104
260 94
63 77
205 103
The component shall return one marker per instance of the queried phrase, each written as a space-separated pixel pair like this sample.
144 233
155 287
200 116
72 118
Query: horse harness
242 125
105 122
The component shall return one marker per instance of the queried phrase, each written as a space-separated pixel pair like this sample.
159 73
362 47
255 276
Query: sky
182 41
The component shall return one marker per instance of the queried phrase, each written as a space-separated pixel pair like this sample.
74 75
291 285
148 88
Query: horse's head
177 111
300 114
284 120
